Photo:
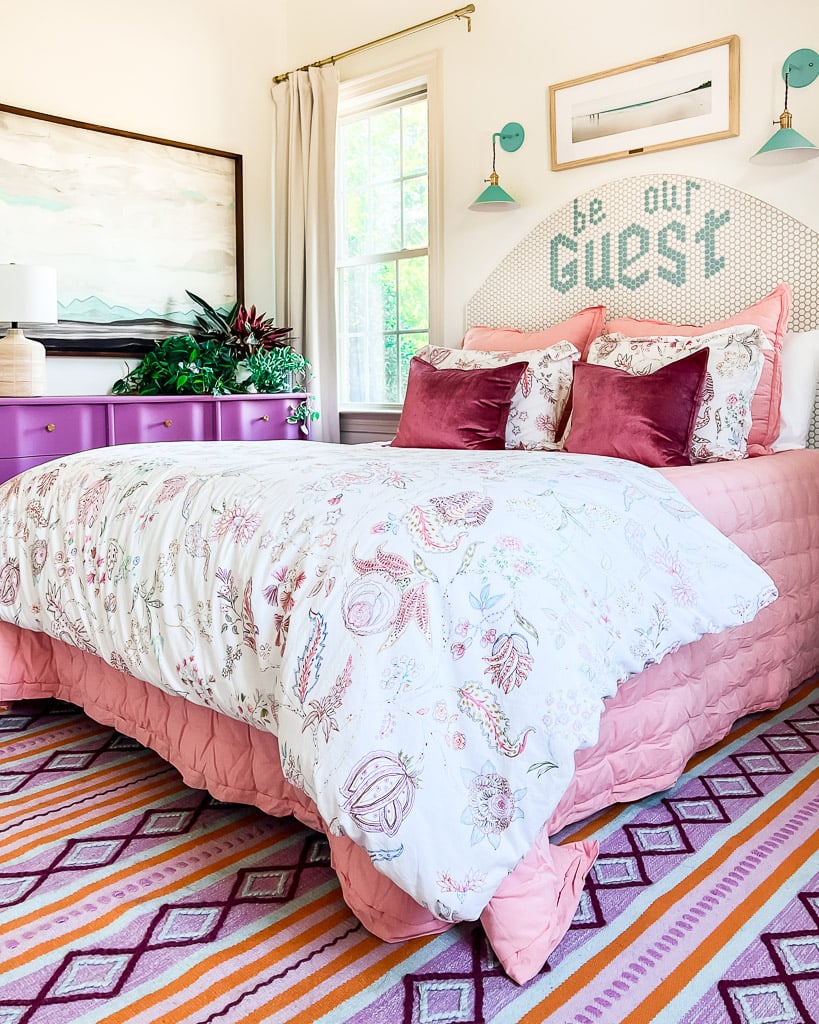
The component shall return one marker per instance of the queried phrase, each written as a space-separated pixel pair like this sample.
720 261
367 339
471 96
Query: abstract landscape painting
129 222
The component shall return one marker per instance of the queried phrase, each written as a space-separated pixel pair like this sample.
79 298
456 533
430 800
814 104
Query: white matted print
676 99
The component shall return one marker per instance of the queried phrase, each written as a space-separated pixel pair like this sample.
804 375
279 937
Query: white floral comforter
430 634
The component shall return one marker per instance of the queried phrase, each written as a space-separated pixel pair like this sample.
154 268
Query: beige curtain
304 213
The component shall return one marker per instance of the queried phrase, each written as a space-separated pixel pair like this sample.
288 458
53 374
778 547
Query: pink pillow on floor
457 408
770 314
647 419
580 329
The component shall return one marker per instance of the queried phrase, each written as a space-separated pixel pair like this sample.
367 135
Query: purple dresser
34 430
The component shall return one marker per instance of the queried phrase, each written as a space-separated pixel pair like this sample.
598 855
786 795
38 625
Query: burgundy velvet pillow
648 419
457 408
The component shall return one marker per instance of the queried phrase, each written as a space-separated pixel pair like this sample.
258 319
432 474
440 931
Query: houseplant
236 352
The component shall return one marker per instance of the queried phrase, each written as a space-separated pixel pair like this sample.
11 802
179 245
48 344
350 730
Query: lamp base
22 366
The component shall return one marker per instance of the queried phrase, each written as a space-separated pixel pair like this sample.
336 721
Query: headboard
670 247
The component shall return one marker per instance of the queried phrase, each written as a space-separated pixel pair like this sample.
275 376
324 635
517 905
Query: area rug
127 897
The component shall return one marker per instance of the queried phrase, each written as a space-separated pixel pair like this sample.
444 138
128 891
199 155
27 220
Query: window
383 240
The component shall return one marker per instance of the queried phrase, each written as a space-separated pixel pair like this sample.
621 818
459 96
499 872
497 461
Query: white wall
199 71
193 71
501 72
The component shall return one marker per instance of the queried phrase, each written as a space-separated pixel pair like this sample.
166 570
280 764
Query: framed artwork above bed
129 221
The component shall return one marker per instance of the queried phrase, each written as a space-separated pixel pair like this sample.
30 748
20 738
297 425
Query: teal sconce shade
787 145
493 196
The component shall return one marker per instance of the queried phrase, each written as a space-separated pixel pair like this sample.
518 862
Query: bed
389 549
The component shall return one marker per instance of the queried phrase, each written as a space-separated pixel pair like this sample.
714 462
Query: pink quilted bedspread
768 506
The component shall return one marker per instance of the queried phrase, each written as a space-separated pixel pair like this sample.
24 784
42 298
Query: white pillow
539 399
735 361
800 370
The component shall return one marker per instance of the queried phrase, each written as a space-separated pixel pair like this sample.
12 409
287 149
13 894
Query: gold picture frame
675 99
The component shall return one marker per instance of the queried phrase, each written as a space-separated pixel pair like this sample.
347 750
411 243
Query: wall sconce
27 295
493 196
787 145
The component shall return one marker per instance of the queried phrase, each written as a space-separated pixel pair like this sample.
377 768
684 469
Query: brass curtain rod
462 12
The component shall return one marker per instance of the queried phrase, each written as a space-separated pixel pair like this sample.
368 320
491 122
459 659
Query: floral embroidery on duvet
430 634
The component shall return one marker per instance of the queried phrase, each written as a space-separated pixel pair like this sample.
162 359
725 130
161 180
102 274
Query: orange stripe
588 828
587 973
154 790
714 943
104 920
217 961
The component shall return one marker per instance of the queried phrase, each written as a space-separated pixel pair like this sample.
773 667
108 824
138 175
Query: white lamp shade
28 294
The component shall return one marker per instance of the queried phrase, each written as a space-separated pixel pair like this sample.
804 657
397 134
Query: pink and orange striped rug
126 897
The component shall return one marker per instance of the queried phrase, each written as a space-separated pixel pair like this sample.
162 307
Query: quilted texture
769 506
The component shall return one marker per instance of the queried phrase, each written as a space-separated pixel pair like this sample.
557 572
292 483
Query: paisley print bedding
430 634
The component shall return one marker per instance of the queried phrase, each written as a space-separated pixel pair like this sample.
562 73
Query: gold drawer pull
168 423
265 419
50 427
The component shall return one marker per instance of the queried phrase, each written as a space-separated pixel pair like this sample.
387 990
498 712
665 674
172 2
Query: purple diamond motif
761 764
66 760
265 885
767 1002
788 744
616 871
447 1001
15 890
697 810
13 723
730 785
659 839
10 782
90 853
90 974
799 953
165 823
185 924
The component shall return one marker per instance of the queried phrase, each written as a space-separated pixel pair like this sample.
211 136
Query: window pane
354 142
416 218
385 145
355 238
386 200
367 308
413 291
408 346
415 137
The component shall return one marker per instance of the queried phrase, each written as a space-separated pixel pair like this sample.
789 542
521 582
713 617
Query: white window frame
379 88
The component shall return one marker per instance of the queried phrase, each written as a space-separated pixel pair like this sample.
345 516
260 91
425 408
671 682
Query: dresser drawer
51 430
259 419
136 422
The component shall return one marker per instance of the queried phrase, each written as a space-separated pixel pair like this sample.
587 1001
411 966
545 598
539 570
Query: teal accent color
565 278
596 212
578 219
653 205
632 231
788 141
707 235
801 67
605 280
510 137
43 204
670 200
690 186
677 276
494 197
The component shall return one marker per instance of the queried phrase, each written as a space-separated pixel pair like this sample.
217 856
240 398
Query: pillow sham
456 408
538 400
735 362
580 330
771 314
800 372
648 419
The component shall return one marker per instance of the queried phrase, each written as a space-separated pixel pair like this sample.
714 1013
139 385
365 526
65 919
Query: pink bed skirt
769 506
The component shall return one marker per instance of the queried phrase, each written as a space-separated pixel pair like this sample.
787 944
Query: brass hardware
50 427
168 423
265 419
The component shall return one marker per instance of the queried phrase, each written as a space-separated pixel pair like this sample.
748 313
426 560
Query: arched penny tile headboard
662 246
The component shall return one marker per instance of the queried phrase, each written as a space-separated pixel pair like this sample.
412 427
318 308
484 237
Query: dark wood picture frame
129 221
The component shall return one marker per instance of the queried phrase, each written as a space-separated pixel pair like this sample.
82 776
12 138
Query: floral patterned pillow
735 361
540 397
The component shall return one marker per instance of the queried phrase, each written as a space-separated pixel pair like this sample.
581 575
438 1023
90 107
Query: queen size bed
440 658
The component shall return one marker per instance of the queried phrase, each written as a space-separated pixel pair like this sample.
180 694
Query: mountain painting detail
128 223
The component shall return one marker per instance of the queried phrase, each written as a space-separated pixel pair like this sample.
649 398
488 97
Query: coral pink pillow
457 408
580 329
647 419
771 315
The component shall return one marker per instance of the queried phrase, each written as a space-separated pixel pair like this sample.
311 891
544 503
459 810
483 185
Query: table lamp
28 294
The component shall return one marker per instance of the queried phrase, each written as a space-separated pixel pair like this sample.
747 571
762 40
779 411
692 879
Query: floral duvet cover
430 634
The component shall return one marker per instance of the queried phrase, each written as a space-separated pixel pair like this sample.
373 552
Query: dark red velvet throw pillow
647 419
457 408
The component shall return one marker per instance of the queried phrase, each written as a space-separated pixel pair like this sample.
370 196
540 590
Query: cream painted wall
199 71
193 71
501 72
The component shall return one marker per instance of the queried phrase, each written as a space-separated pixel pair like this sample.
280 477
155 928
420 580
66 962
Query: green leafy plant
183 365
304 414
